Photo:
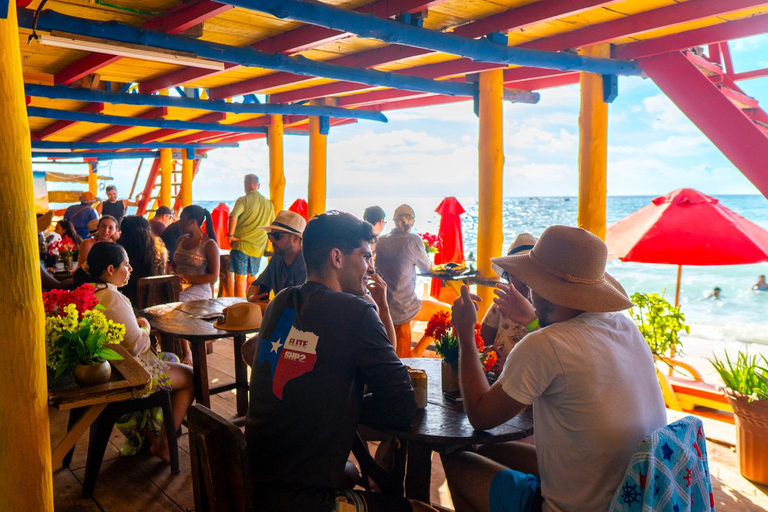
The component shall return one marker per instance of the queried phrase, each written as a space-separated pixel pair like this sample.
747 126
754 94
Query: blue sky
432 151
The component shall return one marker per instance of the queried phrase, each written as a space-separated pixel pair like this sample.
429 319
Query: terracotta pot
92 374
449 378
751 437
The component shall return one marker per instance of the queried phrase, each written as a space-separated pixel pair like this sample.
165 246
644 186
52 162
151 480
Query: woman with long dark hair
196 258
65 227
108 268
146 252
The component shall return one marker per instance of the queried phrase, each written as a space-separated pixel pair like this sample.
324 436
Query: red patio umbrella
220 217
299 206
686 227
452 249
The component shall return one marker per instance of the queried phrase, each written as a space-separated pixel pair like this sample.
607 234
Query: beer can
419 383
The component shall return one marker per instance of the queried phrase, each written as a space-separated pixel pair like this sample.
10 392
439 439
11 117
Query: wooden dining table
194 321
441 427
128 380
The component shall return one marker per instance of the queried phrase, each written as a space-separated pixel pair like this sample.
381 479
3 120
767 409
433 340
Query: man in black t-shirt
319 346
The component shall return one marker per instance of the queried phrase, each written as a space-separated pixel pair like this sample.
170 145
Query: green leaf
108 354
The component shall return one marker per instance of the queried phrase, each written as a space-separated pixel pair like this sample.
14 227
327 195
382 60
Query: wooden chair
221 476
155 290
692 395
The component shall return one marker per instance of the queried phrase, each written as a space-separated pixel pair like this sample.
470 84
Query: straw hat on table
243 316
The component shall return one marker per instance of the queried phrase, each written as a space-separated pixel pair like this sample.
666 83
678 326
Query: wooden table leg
70 439
200 373
418 476
241 376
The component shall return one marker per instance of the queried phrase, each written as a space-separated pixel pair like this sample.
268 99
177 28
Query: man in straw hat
319 346
286 267
81 214
588 372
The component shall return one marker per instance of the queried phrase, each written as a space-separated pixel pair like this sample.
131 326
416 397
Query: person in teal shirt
245 235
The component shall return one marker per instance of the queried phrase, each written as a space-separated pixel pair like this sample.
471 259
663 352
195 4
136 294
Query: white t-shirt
595 396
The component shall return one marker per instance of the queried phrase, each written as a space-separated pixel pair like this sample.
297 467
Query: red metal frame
212 117
728 127
141 208
114 130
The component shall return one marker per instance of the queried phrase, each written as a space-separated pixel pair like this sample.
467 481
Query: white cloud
452 112
677 146
666 116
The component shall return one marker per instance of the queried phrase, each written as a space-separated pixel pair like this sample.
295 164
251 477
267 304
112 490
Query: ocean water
739 316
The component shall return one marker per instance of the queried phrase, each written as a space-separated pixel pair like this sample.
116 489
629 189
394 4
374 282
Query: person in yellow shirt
245 235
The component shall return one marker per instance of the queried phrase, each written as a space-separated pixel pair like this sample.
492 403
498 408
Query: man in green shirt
246 238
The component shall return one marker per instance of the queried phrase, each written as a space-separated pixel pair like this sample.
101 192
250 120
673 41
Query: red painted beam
378 97
288 43
176 21
536 84
697 37
58 126
205 135
642 22
114 130
748 75
729 128
527 15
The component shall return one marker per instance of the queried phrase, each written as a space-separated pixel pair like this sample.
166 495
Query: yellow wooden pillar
593 147
93 178
318 146
166 173
187 175
490 179
276 172
25 443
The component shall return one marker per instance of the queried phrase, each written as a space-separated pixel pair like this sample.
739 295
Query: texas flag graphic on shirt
289 351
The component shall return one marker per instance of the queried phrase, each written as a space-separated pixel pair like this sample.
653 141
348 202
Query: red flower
479 339
490 360
439 325
432 241
82 297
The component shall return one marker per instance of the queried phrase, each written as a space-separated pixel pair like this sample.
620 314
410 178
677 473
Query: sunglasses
274 235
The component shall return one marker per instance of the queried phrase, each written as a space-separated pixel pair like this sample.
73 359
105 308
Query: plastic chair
155 290
101 430
221 473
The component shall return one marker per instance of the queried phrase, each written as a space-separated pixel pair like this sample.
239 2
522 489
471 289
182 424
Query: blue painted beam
52 113
246 56
480 50
63 92
99 156
74 146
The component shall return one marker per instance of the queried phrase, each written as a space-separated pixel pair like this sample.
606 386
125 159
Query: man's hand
378 289
513 305
143 322
232 239
258 297
464 313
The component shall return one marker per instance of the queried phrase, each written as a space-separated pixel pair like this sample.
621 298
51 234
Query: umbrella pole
677 304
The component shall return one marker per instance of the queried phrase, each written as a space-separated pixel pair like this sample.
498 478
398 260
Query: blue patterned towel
668 472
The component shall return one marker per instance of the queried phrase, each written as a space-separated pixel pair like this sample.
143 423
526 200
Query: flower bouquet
432 243
77 334
441 329
64 248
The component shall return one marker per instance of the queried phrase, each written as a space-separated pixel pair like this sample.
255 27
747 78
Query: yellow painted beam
187 175
318 147
490 179
93 179
276 171
25 443
593 148
166 172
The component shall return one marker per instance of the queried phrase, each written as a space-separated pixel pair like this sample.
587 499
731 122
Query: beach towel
668 472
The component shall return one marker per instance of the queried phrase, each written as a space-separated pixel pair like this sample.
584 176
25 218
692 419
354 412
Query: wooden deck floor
144 483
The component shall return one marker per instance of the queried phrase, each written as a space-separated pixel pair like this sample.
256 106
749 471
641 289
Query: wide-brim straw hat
567 267
44 221
522 244
287 222
243 316
93 226
87 197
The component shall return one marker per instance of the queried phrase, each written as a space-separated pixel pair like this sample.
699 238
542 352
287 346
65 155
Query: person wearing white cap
588 373
286 267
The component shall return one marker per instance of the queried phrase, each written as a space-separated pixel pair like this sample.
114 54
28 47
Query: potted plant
432 244
65 248
77 334
746 386
441 329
